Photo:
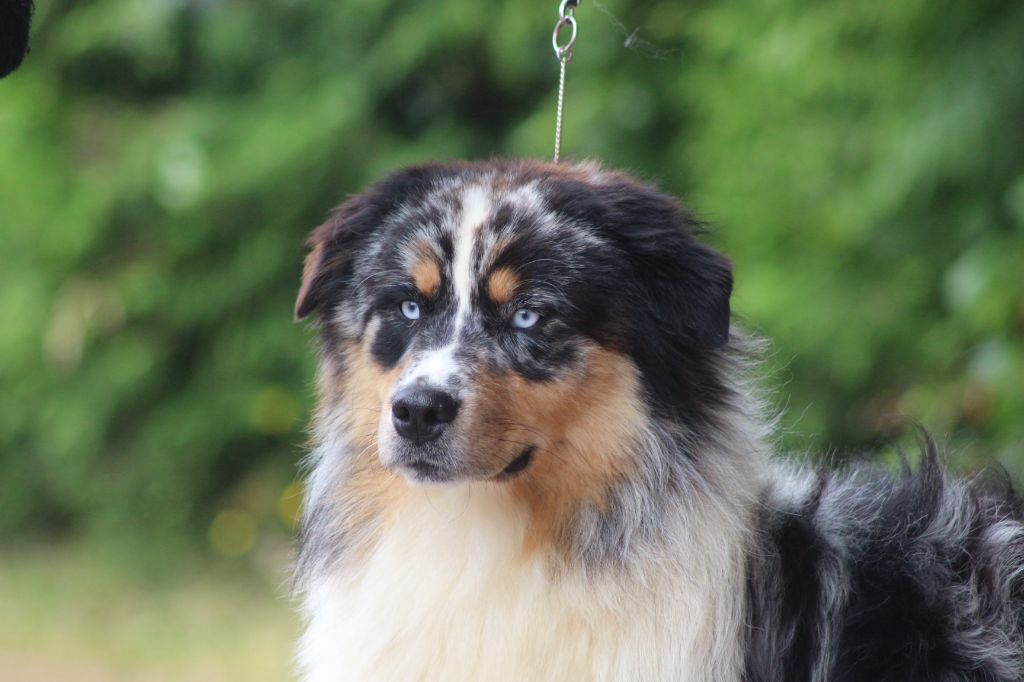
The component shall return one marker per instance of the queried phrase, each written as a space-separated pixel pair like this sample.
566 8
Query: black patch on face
540 354
447 246
392 339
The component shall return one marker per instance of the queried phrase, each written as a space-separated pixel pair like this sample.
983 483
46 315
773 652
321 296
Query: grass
67 614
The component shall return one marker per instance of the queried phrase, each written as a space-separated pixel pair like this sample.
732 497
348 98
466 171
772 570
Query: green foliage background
161 163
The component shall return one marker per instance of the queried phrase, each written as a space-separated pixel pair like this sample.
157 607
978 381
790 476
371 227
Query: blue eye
411 310
524 318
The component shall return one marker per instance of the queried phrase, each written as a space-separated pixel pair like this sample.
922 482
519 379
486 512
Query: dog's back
867 576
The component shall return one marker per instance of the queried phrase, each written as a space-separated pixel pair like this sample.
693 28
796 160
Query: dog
539 454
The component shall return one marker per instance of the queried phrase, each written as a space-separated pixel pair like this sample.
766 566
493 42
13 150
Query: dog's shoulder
863 574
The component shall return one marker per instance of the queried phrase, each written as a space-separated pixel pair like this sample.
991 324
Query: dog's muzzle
421 415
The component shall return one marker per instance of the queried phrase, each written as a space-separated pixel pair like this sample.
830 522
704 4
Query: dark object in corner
15 16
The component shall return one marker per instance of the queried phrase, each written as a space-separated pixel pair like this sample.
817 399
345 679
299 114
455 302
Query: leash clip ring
564 52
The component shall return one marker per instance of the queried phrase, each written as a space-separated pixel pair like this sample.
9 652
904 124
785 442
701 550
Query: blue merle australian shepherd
538 455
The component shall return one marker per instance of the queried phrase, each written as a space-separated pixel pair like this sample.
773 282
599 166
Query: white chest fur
448 594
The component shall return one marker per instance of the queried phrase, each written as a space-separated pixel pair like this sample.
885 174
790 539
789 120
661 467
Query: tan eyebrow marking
424 266
426 275
501 284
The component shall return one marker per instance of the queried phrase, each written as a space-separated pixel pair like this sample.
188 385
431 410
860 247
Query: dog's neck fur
440 584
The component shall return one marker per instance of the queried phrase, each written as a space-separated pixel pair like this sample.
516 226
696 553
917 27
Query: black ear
692 288
684 284
335 244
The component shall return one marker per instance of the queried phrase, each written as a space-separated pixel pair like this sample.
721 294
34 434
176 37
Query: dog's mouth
517 465
425 471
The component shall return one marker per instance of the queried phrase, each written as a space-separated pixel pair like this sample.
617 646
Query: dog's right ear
330 261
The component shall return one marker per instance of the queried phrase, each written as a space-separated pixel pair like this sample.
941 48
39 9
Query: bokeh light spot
274 411
289 505
233 532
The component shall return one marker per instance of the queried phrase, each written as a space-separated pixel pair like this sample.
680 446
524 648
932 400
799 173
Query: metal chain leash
566 20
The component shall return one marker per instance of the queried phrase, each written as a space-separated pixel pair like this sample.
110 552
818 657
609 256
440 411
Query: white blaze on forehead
435 368
439 368
476 206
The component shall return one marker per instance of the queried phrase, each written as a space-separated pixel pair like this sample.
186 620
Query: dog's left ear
685 283
328 271
307 300
329 263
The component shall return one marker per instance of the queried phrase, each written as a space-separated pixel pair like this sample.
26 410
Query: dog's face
479 322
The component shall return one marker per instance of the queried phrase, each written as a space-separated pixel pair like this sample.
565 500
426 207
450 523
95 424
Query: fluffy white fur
449 594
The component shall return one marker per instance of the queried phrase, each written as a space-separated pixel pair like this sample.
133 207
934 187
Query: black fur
15 17
875 577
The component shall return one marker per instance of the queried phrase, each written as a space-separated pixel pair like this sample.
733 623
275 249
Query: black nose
420 415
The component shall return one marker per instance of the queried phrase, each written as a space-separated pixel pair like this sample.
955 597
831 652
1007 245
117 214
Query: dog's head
486 321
